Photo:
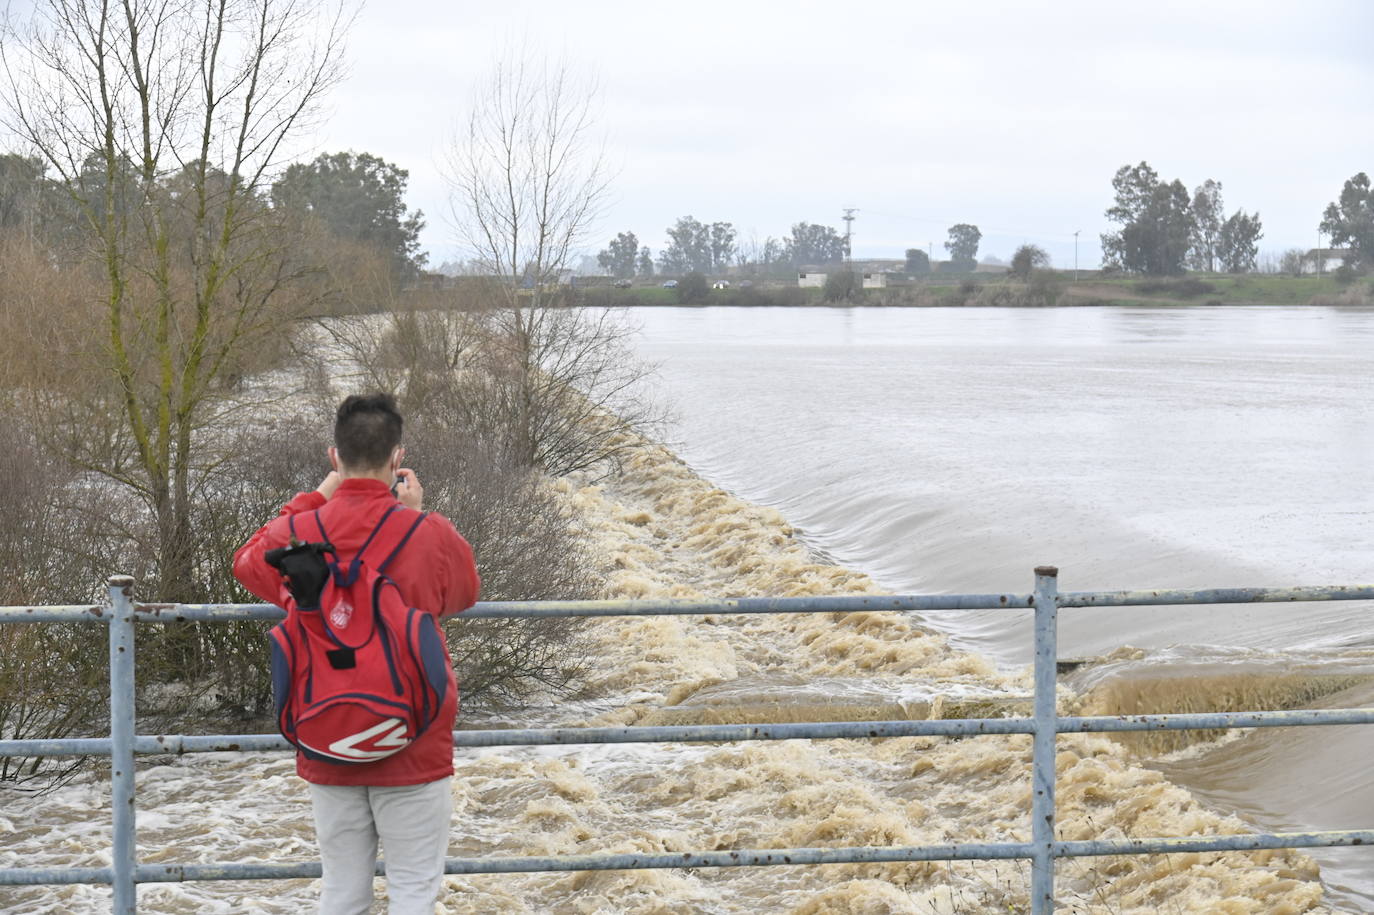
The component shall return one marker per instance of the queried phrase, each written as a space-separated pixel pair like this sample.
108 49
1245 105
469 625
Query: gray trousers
412 822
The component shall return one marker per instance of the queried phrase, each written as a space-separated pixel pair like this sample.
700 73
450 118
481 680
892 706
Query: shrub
53 547
841 286
527 546
693 288
1293 261
1043 289
1026 259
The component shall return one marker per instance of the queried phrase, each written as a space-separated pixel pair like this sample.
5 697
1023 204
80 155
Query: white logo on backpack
347 747
340 614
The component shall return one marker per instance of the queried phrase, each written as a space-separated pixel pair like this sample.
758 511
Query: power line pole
848 232
1075 254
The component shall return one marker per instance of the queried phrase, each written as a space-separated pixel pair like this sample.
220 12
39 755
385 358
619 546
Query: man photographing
404 799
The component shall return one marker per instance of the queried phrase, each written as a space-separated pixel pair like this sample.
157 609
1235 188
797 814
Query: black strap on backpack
346 577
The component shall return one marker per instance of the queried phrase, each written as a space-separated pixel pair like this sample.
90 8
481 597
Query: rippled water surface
946 450
956 449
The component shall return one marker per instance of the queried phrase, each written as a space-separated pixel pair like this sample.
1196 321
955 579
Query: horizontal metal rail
121 613
1240 842
206 613
178 744
177 613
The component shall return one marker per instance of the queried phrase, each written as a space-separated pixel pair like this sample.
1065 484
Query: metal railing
125 873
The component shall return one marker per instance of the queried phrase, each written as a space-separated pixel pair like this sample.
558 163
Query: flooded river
867 451
947 450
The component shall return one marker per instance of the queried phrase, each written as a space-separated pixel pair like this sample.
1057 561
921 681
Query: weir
120 614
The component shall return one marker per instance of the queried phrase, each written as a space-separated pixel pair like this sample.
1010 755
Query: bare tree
1293 261
528 176
528 545
552 385
163 122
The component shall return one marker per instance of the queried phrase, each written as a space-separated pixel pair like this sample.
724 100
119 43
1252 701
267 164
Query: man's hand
330 484
409 492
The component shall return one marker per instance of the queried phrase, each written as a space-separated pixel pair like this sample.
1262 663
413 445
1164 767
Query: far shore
1050 289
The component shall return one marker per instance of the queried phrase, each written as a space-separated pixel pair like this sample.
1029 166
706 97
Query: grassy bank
1049 288
1243 289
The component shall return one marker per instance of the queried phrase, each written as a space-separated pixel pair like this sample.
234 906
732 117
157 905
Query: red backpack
357 673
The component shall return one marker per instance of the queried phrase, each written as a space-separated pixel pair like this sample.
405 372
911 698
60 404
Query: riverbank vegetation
180 330
1041 287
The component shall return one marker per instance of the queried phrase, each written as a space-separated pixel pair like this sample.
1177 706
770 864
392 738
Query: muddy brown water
922 451
949 450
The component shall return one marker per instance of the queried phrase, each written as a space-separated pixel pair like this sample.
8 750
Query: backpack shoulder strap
420 519
344 577
319 523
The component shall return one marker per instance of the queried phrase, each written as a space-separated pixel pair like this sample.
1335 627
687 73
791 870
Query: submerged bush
66 531
51 676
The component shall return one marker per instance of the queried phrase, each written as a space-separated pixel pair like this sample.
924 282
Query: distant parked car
746 284
670 284
721 284
623 284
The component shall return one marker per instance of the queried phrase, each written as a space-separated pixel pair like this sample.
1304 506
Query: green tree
963 247
645 265
814 244
917 262
1350 222
773 254
1027 259
1237 242
1208 216
618 258
722 246
358 197
1156 223
689 247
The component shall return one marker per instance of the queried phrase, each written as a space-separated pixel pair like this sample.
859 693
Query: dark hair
366 430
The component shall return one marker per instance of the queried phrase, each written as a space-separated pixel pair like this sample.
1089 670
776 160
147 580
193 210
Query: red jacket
435 572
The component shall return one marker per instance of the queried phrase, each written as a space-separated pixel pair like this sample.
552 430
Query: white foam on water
654 799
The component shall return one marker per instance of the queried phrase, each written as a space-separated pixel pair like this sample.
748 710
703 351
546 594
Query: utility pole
1075 254
848 233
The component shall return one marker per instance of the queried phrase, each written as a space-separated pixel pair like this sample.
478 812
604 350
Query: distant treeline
1163 231
714 249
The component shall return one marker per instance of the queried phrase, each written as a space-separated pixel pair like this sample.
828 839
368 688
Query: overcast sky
1009 115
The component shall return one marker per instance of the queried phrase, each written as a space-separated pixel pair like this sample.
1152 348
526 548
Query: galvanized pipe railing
121 614
1042 749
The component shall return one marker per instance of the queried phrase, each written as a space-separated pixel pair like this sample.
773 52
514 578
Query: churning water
945 450
933 450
